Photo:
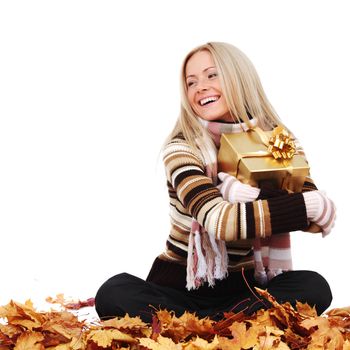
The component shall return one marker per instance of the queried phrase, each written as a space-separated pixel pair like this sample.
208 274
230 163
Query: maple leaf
21 314
323 335
105 337
10 330
201 327
125 322
243 337
63 323
171 326
306 309
201 344
342 312
346 345
269 342
29 340
75 344
162 343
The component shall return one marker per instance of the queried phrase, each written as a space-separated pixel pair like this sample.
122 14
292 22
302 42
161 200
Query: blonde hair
241 87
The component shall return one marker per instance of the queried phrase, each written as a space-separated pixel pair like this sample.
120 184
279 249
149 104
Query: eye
190 83
212 75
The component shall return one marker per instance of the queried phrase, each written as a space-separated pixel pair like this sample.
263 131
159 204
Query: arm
185 172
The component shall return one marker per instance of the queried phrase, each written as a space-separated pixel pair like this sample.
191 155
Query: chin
216 118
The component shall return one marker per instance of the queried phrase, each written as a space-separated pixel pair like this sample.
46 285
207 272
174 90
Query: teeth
208 99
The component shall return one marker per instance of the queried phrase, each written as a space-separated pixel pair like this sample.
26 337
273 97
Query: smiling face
203 88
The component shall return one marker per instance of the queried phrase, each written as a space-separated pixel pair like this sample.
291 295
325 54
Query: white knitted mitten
320 210
235 191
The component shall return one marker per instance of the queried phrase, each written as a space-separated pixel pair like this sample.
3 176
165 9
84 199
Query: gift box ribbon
279 145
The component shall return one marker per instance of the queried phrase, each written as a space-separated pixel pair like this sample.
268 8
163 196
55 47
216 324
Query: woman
213 226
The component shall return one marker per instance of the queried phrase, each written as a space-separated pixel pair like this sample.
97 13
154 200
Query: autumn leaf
105 337
162 343
125 322
201 344
306 309
10 330
342 312
243 337
21 314
72 304
29 340
280 327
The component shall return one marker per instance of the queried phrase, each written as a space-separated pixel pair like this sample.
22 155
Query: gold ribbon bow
281 145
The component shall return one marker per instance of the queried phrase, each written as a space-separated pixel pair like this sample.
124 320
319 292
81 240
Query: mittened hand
235 191
320 210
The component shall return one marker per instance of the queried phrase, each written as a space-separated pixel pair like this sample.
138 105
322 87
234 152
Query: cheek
190 97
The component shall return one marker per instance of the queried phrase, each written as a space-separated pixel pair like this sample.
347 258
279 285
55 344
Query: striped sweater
192 194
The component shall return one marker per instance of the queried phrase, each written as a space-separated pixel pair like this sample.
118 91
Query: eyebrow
191 75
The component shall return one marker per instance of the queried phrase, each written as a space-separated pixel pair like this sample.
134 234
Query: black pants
125 293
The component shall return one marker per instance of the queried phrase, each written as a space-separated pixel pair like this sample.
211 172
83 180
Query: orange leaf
306 309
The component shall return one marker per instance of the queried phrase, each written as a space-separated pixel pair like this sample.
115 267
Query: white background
89 90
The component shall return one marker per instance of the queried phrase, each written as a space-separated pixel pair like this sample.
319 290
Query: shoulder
179 147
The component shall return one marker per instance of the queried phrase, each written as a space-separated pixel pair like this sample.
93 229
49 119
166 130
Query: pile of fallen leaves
280 327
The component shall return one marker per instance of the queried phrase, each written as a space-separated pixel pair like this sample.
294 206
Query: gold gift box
246 156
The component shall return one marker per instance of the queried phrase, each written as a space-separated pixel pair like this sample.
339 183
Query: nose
202 85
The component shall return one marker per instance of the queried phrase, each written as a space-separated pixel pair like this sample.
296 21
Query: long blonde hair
241 87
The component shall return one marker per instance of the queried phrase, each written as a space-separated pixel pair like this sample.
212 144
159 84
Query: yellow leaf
346 345
125 322
60 347
29 340
105 337
162 343
228 344
201 344
243 337
75 344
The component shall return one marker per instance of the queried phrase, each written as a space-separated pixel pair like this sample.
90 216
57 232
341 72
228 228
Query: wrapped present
258 155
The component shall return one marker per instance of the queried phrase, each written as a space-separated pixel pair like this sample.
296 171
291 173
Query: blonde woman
217 221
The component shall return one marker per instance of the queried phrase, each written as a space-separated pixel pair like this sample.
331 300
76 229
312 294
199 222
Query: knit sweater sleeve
185 173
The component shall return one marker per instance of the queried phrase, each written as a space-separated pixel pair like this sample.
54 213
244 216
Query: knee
109 297
321 291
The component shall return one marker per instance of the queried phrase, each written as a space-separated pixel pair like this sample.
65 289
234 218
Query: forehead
199 62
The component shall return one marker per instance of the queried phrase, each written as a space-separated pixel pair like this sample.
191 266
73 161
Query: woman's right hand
320 210
235 191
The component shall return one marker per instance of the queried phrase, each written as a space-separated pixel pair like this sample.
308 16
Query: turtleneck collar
218 128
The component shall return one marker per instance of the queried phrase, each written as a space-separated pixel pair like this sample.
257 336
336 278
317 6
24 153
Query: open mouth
207 101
